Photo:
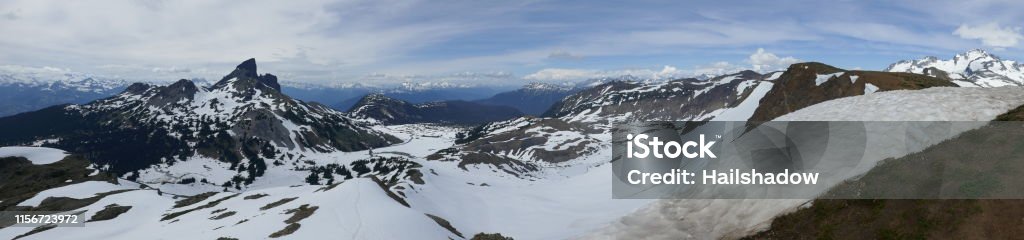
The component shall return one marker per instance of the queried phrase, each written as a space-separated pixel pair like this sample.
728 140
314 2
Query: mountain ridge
378 107
974 68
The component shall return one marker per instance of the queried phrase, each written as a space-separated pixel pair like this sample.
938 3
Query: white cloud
303 36
991 34
564 55
717 68
762 61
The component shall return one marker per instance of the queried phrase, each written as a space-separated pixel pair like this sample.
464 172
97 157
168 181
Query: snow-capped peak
974 68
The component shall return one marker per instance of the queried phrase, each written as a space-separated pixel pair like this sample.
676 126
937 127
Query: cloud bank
991 34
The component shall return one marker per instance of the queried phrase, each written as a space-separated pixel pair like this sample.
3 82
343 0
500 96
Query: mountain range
242 159
974 68
243 120
24 89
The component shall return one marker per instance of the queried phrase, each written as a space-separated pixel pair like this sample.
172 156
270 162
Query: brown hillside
932 218
797 88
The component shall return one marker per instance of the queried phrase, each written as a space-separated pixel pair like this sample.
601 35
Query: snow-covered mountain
243 121
974 68
682 99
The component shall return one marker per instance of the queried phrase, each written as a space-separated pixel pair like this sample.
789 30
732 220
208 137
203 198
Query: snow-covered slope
38 155
974 68
932 104
561 202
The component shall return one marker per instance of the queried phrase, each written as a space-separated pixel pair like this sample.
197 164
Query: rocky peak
182 89
246 69
137 88
245 76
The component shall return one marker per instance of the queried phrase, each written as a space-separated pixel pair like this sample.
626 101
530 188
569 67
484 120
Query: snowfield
563 201
38 155
931 104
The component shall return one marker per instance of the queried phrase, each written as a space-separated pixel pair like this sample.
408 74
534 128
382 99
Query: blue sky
491 42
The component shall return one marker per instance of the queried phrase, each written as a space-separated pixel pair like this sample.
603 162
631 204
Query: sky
490 42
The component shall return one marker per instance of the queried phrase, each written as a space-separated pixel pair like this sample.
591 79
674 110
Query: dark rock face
246 75
270 80
246 69
393 111
799 87
137 88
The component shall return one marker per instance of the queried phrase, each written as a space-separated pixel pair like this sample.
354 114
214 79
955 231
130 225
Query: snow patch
76 191
931 104
870 88
822 78
38 155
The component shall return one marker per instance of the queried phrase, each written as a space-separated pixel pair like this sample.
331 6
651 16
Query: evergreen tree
313 179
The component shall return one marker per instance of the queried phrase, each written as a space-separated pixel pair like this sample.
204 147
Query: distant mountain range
25 89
